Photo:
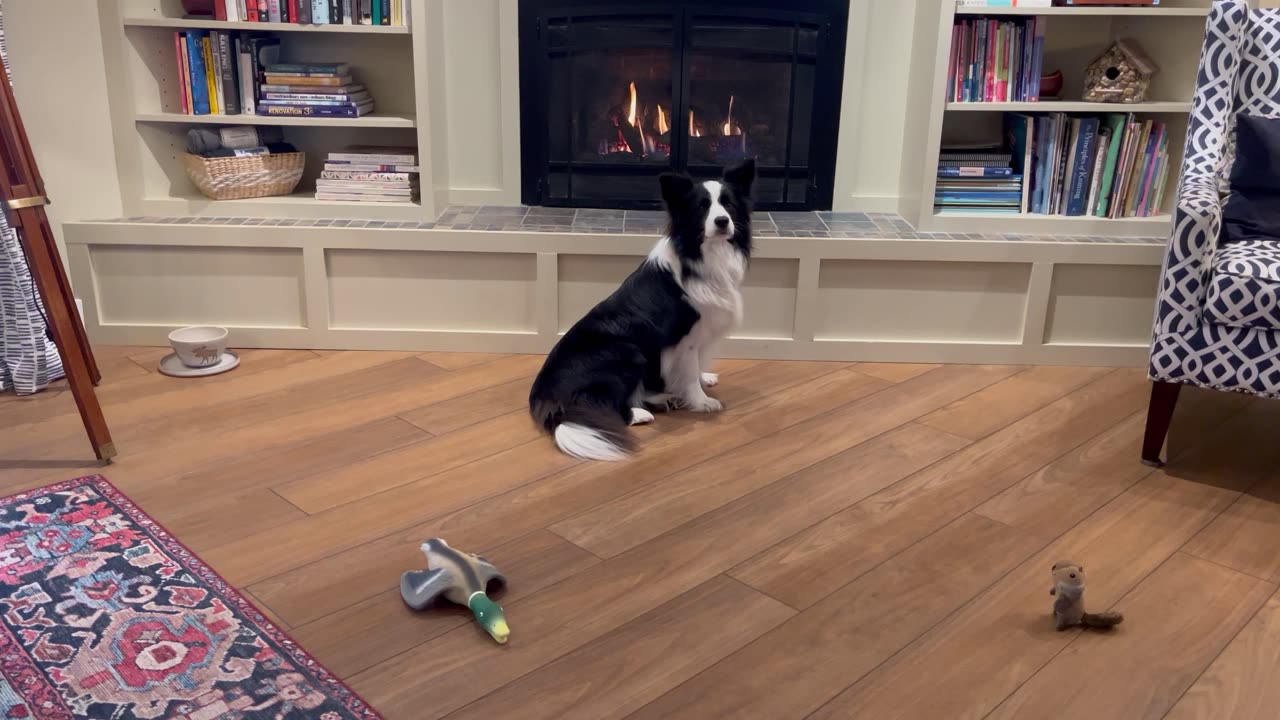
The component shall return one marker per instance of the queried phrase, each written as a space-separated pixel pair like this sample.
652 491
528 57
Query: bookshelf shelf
1181 108
1024 223
302 204
374 120
211 24
1156 11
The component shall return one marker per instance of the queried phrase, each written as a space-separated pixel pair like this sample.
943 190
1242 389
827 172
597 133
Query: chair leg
1164 398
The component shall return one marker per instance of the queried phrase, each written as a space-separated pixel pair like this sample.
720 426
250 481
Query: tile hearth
503 218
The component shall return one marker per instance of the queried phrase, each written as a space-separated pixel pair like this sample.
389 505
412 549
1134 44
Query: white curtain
28 358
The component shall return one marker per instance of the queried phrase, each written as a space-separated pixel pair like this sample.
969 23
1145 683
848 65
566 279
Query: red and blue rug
106 616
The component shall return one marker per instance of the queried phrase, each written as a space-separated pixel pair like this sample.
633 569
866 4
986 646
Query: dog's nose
722 222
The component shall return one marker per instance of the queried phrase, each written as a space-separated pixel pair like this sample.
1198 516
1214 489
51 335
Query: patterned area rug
106 616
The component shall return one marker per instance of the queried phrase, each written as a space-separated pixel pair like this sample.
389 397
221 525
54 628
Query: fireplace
614 92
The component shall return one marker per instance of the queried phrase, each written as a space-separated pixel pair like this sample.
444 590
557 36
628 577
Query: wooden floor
868 541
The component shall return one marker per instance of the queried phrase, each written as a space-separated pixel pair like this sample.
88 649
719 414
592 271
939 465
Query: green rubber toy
460 578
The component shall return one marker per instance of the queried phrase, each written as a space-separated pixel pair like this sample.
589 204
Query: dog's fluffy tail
587 432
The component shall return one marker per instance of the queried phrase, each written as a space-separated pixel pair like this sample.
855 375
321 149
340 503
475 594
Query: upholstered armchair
1217 321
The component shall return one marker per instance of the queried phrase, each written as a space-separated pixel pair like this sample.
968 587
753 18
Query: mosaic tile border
841 225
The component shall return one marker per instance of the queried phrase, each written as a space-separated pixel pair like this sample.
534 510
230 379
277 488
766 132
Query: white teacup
199 346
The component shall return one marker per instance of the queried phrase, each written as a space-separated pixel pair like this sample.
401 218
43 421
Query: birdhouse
1122 74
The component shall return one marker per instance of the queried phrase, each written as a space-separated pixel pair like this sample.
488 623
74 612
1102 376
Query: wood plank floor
845 540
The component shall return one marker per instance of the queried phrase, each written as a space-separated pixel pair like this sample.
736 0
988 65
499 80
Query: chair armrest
1188 259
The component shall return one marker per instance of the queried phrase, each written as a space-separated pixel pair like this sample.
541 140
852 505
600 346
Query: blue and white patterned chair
1217 321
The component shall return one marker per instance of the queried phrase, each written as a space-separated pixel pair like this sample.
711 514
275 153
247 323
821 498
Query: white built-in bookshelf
150 126
1170 33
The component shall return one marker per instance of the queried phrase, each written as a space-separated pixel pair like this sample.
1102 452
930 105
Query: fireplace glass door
614 93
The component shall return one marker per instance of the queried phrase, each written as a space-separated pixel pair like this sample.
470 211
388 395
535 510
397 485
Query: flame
728 123
693 130
631 114
663 128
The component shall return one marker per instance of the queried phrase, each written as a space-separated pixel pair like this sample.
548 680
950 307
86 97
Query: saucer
173 366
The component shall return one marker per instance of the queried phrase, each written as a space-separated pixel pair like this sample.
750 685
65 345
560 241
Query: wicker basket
251 176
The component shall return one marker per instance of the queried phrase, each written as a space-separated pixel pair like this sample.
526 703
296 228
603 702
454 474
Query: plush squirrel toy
1068 607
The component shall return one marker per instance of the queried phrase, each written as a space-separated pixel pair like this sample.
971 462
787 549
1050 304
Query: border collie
652 341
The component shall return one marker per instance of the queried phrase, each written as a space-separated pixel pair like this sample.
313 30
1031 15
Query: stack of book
1114 166
369 173
315 12
996 60
977 179
312 90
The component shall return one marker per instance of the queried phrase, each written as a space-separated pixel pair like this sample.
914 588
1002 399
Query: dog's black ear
742 176
676 187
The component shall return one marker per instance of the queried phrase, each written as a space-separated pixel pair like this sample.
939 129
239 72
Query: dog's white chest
714 291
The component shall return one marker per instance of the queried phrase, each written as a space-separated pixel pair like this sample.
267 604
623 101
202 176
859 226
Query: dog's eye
704 203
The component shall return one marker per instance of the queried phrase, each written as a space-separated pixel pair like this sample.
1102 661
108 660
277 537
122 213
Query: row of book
1111 166
223 73
375 174
996 60
315 12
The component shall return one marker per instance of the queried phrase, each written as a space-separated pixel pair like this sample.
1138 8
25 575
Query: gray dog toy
460 578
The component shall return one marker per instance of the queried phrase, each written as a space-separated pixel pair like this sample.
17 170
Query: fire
728 123
693 129
663 128
631 114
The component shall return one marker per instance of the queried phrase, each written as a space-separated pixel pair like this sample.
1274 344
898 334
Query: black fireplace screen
613 93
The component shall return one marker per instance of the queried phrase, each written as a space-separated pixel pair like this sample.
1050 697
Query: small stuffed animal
458 577
1068 607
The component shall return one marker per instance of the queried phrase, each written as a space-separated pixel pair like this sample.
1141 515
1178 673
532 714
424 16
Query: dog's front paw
710 379
640 416
704 405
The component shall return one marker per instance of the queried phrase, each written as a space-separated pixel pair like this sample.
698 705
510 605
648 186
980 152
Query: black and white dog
652 341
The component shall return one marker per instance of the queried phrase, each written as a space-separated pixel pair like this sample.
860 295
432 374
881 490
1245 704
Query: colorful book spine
385 17
317 97
272 79
316 111
264 11
180 49
244 71
1095 175
251 11
1150 159
198 79
359 175
294 11
341 166
210 84
220 10
309 69
1082 164
314 103
227 62
974 172
320 12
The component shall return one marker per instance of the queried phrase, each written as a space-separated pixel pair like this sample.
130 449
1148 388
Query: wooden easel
23 195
